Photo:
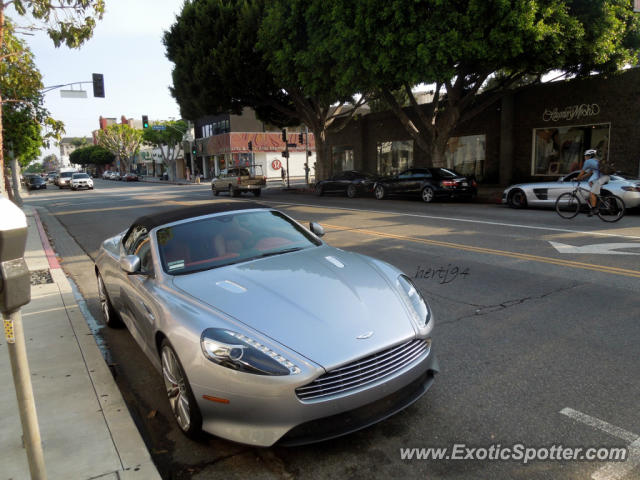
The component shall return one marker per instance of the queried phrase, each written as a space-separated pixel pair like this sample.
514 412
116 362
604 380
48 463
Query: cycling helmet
591 152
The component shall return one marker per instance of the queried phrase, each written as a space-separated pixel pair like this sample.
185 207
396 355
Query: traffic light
250 145
284 135
145 121
98 85
194 150
301 138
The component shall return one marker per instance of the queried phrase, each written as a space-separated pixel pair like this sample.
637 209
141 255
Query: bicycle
610 207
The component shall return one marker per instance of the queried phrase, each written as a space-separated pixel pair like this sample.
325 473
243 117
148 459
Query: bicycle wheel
610 208
568 205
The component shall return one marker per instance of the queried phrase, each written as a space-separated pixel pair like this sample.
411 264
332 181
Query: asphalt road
537 343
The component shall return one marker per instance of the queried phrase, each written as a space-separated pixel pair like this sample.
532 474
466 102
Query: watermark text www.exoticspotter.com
517 453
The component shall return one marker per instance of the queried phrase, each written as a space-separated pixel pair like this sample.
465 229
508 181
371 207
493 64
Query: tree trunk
323 166
15 174
2 178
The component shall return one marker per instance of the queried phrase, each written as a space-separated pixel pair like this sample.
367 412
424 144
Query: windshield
227 239
66 174
80 175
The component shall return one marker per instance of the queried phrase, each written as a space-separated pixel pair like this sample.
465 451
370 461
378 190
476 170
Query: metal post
306 155
24 393
287 150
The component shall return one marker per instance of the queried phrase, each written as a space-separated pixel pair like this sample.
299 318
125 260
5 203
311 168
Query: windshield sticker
175 265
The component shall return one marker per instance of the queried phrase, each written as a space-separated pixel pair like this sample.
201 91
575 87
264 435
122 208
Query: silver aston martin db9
264 333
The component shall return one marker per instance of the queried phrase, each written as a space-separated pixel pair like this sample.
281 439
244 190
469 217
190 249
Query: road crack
487 309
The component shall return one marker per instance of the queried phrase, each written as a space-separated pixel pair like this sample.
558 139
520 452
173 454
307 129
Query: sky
127 49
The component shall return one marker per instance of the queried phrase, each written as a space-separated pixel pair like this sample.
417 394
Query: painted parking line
612 470
490 251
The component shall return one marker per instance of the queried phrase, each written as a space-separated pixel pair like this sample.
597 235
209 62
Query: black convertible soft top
176 214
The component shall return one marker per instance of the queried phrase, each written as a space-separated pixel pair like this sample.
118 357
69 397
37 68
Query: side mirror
130 263
316 228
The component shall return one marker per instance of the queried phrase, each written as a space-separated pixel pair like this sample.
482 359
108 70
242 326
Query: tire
568 205
319 190
215 191
109 314
427 194
517 199
256 193
181 400
380 192
611 208
352 191
233 192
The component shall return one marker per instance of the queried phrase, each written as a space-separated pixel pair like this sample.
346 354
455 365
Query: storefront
536 133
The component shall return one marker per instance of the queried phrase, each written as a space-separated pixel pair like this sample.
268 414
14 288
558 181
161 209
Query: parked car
81 180
350 182
429 183
51 177
36 182
115 176
542 194
236 180
224 300
130 177
64 179
106 174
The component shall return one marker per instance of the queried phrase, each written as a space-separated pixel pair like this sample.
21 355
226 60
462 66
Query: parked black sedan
36 183
429 183
349 182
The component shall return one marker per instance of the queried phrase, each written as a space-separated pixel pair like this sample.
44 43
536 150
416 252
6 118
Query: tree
93 154
122 141
68 22
230 55
168 140
51 162
382 46
27 124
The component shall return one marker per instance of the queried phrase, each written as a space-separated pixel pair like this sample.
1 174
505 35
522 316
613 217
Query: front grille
364 371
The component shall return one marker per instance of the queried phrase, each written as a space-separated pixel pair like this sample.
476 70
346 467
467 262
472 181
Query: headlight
414 300
239 352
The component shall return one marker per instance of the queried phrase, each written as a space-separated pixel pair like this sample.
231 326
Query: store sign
573 112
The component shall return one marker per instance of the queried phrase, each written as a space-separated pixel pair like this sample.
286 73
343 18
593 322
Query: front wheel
181 400
517 199
380 192
611 208
256 193
568 205
351 191
109 314
215 191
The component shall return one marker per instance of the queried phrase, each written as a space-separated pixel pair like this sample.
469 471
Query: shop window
394 157
559 150
342 158
466 155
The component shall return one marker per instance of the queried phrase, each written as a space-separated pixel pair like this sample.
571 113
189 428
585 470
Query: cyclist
591 166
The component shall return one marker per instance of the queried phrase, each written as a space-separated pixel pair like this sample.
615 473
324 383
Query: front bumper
268 415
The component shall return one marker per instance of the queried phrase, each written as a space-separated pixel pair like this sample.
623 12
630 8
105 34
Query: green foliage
120 139
67 22
217 67
172 135
94 154
35 167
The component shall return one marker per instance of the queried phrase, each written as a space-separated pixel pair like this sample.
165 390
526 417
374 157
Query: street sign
73 93
158 127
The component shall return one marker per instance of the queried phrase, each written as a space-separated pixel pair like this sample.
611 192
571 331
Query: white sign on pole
73 93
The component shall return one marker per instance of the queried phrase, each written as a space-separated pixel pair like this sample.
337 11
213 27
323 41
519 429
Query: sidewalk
86 429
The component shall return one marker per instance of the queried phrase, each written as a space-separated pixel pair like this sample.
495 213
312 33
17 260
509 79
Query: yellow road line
490 251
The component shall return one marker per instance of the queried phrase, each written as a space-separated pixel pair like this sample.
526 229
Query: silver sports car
264 333
545 193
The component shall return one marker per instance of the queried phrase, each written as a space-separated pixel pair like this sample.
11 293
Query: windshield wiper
286 250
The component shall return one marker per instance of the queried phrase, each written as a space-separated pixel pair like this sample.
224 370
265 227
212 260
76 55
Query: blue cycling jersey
593 166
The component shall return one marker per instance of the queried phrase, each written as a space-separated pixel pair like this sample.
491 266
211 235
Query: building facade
231 140
536 133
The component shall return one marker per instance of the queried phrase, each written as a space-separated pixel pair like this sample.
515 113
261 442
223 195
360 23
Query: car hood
316 301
